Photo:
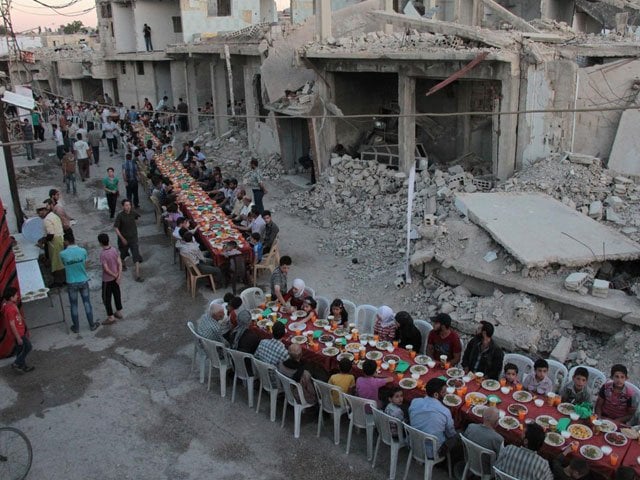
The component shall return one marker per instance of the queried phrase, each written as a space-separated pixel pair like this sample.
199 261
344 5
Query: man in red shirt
443 340
15 324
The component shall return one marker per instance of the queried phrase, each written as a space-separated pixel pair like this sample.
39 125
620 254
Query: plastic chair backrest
252 297
358 407
289 386
350 308
596 379
524 364
239 363
219 301
635 389
324 393
425 328
216 352
323 307
266 372
479 459
383 423
500 475
310 292
366 318
418 441
558 374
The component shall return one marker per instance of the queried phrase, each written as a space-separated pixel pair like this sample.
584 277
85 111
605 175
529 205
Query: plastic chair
310 292
197 349
478 460
218 359
241 372
524 364
359 417
558 374
383 424
418 441
299 404
323 307
500 475
269 261
635 389
350 308
595 381
324 391
265 373
366 318
252 297
194 274
424 327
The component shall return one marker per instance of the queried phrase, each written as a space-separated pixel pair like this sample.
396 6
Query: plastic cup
395 344
521 415
376 338
460 392
399 376
392 365
503 382
412 354
356 356
613 459
519 387
372 343
479 377
551 398
331 318
409 348
390 349
553 425
505 390
274 316
451 390
431 364
415 376
574 446
384 366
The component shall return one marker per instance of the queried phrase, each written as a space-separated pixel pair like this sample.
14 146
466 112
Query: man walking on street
127 231
82 152
111 276
110 133
69 171
74 259
130 177
59 138
27 133
94 138
146 31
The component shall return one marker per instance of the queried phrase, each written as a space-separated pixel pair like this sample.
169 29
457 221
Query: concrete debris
582 159
562 349
600 288
576 281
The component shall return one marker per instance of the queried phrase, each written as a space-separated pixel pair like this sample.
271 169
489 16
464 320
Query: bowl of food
505 390
539 402
574 416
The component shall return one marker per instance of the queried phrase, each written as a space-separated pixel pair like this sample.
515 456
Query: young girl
339 313
394 398
309 305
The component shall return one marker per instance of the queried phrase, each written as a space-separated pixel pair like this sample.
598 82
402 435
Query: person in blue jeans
74 259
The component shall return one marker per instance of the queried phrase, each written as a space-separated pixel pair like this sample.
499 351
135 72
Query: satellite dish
33 229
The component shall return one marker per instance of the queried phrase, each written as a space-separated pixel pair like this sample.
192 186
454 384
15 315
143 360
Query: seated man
616 400
429 415
237 204
484 434
272 350
255 224
524 463
209 325
293 368
190 249
482 354
443 340
242 217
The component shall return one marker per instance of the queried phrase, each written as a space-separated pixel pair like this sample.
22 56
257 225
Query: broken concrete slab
575 281
507 16
624 153
539 230
562 349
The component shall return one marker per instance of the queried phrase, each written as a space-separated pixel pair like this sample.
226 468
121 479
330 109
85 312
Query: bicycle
15 454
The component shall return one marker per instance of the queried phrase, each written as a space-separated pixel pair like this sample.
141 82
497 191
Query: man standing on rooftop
146 30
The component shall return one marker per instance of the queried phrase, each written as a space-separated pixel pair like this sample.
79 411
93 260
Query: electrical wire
70 14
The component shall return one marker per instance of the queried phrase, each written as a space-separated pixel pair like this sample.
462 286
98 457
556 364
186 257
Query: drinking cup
613 459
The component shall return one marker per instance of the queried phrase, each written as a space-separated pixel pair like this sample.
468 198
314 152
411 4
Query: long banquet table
462 414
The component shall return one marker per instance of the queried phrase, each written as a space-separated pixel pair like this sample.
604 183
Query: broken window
218 8
140 68
123 67
177 24
105 11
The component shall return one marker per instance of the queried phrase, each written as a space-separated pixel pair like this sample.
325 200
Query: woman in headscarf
243 338
385 326
296 295
407 333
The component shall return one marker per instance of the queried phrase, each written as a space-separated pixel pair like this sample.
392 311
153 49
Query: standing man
270 232
54 241
27 133
94 138
110 132
255 182
146 31
15 323
74 259
130 177
111 276
162 104
82 152
110 183
183 111
127 231
59 138
38 129
69 171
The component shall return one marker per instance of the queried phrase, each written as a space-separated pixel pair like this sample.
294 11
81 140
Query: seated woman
338 311
385 326
407 333
296 294
309 305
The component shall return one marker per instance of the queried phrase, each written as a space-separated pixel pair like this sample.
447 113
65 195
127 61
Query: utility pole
12 42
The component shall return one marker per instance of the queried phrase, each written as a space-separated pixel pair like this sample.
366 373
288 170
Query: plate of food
263 323
352 347
326 338
591 452
508 423
630 433
522 396
321 323
387 358
299 339
256 311
298 314
407 383
580 432
365 337
478 410
491 385
455 382
615 438
341 332
330 351
476 398
455 372
515 408
422 359
566 408
374 355
383 345
345 355
297 326
607 426
554 439
451 400
543 420
418 369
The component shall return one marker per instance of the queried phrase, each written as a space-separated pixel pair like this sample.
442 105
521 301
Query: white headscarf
387 317
299 286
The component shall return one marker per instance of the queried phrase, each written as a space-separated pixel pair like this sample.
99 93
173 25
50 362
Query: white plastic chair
350 308
383 424
217 355
418 441
323 307
310 292
366 318
478 460
299 404
324 391
500 475
425 328
239 360
596 379
635 389
252 298
266 372
558 374
524 364
197 349
358 417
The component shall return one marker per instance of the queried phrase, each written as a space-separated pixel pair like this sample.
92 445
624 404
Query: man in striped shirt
524 463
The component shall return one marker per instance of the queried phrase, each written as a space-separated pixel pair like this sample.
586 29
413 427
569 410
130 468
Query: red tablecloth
631 457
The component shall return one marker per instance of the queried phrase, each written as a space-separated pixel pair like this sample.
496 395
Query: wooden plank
507 16
493 39
460 73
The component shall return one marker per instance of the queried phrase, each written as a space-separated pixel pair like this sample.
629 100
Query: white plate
478 410
522 396
297 326
299 339
451 400
477 398
345 355
422 359
321 323
374 355
597 453
352 347
607 426
419 369
330 351
508 423
491 385
407 383
554 439
455 372
618 435
543 420
383 345
566 408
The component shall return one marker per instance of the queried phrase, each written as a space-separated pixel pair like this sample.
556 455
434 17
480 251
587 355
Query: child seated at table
344 380
538 381
369 385
510 374
576 391
393 398
256 245
616 400
309 305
